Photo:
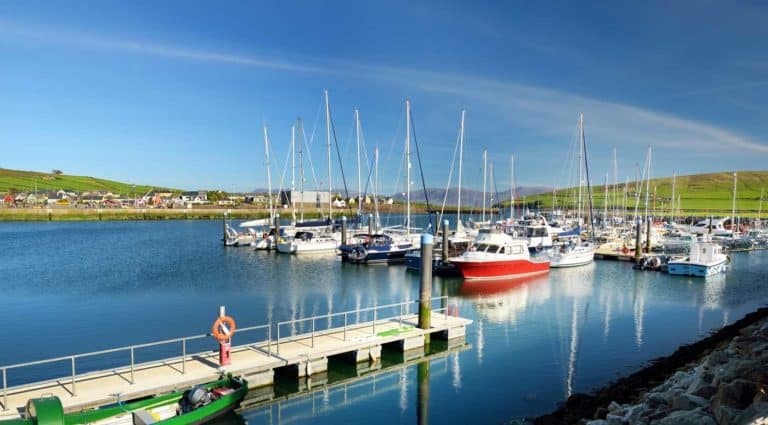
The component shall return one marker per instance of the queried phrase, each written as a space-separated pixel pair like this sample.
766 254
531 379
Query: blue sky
175 93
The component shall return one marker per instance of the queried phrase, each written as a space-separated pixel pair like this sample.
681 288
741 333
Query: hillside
469 197
15 181
698 192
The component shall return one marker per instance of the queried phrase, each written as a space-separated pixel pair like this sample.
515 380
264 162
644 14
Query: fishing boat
705 259
496 255
196 405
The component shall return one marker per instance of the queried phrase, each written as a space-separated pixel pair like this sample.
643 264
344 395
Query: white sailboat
576 252
321 240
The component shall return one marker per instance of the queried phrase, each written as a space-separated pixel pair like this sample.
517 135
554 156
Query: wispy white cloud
547 111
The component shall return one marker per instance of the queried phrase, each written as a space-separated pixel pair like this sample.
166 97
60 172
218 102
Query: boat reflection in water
349 386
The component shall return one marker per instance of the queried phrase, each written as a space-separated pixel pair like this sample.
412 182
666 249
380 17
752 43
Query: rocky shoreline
722 379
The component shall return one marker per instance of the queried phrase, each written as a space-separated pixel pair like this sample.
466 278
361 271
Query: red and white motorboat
496 255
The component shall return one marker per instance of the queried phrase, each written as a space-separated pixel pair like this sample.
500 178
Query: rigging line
421 170
341 165
309 157
285 169
317 121
450 177
589 183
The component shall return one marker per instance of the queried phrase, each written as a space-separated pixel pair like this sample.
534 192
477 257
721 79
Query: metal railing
404 309
130 349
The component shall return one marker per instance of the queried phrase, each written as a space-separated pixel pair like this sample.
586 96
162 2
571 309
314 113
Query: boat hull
499 269
676 268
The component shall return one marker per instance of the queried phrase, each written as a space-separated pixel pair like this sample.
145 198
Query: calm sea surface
74 287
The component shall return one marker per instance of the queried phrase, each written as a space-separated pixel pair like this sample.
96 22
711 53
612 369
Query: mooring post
224 228
425 291
445 241
277 228
648 235
370 224
344 230
638 249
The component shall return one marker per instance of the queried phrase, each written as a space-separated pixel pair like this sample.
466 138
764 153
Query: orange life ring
625 250
223 328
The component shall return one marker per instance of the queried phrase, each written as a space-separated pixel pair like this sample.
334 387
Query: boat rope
589 183
341 165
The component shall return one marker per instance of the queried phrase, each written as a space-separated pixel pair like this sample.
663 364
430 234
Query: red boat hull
500 269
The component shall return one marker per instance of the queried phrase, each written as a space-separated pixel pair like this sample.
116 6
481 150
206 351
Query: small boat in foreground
573 254
196 405
496 255
704 259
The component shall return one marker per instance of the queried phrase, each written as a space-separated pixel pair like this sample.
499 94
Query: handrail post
5 391
132 381
278 338
73 377
345 326
374 319
313 332
269 340
400 318
184 356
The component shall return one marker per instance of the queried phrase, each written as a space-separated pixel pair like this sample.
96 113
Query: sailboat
391 245
322 240
575 252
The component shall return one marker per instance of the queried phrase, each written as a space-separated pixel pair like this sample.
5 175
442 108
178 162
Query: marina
576 313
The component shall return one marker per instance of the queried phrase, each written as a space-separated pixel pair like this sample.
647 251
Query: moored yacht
496 255
305 242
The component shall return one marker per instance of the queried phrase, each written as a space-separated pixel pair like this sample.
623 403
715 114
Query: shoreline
619 400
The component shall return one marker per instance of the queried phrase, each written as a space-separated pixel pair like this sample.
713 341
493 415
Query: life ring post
223 328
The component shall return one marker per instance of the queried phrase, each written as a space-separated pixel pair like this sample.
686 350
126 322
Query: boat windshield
483 247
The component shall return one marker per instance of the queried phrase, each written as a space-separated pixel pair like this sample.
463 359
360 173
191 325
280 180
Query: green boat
193 406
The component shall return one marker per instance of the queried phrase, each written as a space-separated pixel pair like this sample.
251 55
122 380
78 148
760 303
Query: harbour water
76 287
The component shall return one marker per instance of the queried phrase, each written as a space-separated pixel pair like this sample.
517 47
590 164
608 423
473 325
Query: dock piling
224 228
370 224
344 230
425 291
638 249
277 228
445 241
648 235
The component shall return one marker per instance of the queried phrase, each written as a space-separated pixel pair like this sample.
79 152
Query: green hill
699 193
15 181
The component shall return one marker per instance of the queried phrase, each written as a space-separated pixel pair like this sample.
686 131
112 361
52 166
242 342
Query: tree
57 172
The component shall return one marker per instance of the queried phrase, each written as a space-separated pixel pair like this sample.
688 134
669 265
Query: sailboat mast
615 184
376 187
586 170
293 173
581 166
301 169
461 160
605 202
674 181
648 182
408 167
760 209
733 207
485 165
491 188
359 181
269 176
328 145
511 188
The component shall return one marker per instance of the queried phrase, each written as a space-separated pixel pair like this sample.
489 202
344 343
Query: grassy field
700 194
15 181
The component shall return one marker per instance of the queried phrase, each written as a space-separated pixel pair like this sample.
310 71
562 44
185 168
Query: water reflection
351 391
